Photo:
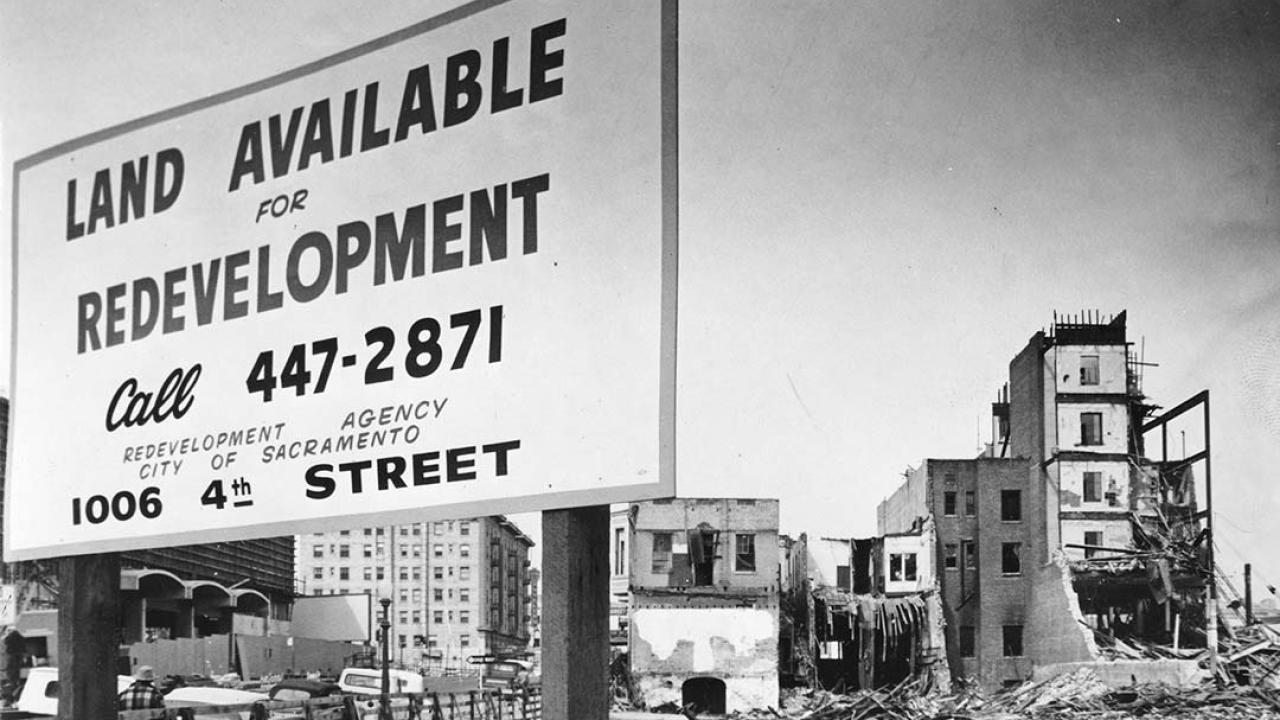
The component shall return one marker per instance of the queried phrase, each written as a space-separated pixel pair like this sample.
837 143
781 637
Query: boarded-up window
661 552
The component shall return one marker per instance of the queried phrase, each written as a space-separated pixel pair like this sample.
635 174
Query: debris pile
1079 696
1251 656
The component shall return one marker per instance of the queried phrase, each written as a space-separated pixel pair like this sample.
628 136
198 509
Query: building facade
704 598
458 588
1036 537
984 544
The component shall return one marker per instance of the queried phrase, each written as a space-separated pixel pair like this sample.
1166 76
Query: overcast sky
880 203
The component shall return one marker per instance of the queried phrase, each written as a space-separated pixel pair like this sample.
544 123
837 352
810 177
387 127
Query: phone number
427 344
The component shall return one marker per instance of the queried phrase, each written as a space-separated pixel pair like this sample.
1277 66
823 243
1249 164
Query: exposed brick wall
1026 400
898 512
984 597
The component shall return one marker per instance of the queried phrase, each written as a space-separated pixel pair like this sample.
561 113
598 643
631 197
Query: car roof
198 695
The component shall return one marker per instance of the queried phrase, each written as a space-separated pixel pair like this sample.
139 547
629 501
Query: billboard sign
431 276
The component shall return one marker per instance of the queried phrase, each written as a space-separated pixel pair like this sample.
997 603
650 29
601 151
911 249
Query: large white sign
431 276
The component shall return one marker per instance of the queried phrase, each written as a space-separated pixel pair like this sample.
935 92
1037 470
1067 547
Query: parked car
39 695
196 696
368 681
301 690
504 674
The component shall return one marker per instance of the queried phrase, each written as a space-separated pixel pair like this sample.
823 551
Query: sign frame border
664 487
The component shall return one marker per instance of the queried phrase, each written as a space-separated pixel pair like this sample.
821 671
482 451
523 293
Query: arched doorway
706 694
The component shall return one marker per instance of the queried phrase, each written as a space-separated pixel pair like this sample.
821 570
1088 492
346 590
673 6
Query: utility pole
1211 607
1248 593
384 704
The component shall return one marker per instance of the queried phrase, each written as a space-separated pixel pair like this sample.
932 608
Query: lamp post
384 704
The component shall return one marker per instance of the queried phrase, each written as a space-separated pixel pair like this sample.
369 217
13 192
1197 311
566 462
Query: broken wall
898 512
1058 634
825 559
736 645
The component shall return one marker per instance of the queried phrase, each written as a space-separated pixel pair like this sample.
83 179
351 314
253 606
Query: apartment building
458 588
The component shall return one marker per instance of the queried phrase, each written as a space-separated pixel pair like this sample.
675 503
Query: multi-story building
1035 537
458 588
984 541
704 598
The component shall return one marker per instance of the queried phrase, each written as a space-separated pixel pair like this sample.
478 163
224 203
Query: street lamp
384 705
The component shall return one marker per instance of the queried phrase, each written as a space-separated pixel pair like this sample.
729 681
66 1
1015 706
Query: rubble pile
1252 656
1078 695
1248 655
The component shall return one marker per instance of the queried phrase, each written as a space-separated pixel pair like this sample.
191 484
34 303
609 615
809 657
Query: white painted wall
1111 368
1115 427
922 546
1114 475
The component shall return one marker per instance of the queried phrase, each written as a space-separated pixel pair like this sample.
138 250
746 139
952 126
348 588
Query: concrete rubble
1077 695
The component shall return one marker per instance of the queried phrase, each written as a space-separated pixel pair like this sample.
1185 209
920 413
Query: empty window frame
1011 558
902 567
661 553
619 551
1094 538
1089 374
970 503
744 553
968 642
1092 486
1011 505
951 556
949 502
1091 428
1012 641
969 549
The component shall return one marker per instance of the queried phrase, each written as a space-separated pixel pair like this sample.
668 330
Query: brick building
985 540
1035 537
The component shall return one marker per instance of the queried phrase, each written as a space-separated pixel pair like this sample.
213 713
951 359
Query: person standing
141 693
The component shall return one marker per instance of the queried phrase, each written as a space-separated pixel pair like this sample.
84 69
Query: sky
879 204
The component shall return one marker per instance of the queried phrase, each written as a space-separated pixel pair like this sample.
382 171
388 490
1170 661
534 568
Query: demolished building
864 613
1064 541
703 618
